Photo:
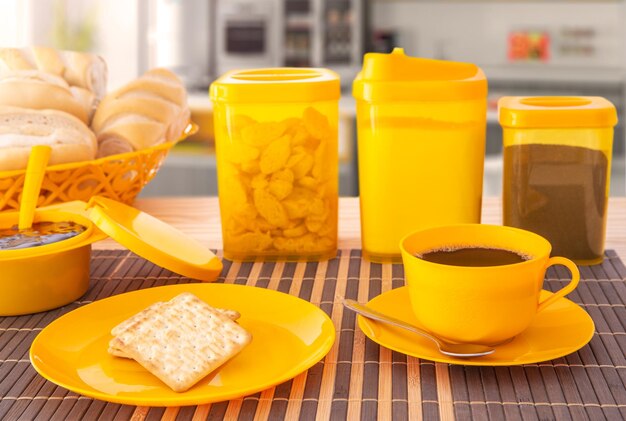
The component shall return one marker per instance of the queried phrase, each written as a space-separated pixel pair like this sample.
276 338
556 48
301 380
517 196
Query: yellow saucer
289 336
562 328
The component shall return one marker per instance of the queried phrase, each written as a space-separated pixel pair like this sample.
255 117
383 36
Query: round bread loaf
21 129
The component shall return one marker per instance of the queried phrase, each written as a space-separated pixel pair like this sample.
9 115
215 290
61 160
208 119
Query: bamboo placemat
358 379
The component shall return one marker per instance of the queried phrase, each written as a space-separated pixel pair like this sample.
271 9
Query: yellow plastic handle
35 171
567 288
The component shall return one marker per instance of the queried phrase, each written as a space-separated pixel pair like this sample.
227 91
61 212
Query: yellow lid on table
398 77
556 112
284 84
154 240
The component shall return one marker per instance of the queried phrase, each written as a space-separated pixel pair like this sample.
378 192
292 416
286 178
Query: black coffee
472 256
559 192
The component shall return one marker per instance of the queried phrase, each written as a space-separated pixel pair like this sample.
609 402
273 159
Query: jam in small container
41 233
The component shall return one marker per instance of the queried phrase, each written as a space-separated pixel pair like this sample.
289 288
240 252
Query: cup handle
567 288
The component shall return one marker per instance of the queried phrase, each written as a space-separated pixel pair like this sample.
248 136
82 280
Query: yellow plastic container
557 163
277 162
49 276
421 146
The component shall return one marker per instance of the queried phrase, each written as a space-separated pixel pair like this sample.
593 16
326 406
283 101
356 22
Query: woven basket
119 177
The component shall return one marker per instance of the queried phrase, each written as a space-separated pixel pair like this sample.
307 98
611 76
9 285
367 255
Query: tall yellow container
557 163
421 146
277 163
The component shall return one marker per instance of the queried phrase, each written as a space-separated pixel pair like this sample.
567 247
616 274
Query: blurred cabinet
325 33
184 175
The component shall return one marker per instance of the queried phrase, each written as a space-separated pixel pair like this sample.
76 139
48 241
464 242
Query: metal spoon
454 350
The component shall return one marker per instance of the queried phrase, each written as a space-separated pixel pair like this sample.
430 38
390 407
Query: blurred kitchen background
525 47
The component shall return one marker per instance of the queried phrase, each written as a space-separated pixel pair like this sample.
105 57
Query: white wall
116 26
12 30
477 31
118 39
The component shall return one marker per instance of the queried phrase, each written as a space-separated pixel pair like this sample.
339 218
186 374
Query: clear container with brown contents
557 166
277 164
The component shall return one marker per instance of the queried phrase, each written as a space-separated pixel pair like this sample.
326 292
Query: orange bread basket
119 177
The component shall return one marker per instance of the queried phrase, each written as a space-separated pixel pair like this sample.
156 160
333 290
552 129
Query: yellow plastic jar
277 162
421 146
557 163
41 278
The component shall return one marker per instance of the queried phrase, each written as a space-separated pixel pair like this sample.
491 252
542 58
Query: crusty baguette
111 109
112 145
21 129
14 59
82 70
38 90
145 112
86 99
135 131
160 82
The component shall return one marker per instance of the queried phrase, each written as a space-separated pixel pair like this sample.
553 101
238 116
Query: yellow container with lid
48 276
277 162
421 146
557 162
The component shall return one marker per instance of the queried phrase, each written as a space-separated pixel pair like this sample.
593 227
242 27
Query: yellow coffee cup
486 304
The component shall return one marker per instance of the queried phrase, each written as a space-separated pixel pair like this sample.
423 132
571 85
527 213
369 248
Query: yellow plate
562 328
289 336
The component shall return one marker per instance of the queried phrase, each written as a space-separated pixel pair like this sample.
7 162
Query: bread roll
131 132
21 129
113 146
14 59
82 70
146 112
38 90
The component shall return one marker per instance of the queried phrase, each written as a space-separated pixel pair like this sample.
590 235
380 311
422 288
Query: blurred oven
248 34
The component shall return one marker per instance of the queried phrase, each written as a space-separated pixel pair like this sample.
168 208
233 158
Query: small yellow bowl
45 277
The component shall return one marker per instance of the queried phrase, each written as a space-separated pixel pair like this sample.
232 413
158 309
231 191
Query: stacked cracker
180 341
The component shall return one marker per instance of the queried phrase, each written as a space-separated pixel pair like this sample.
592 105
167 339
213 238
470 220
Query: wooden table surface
199 218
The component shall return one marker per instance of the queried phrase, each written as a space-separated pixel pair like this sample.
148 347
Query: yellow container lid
285 84
398 77
154 240
556 112
144 235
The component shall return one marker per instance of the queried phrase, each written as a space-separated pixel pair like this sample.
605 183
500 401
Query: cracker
142 315
146 313
117 352
180 341
231 314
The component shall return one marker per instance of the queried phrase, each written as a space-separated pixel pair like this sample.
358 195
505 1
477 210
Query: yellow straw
35 171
